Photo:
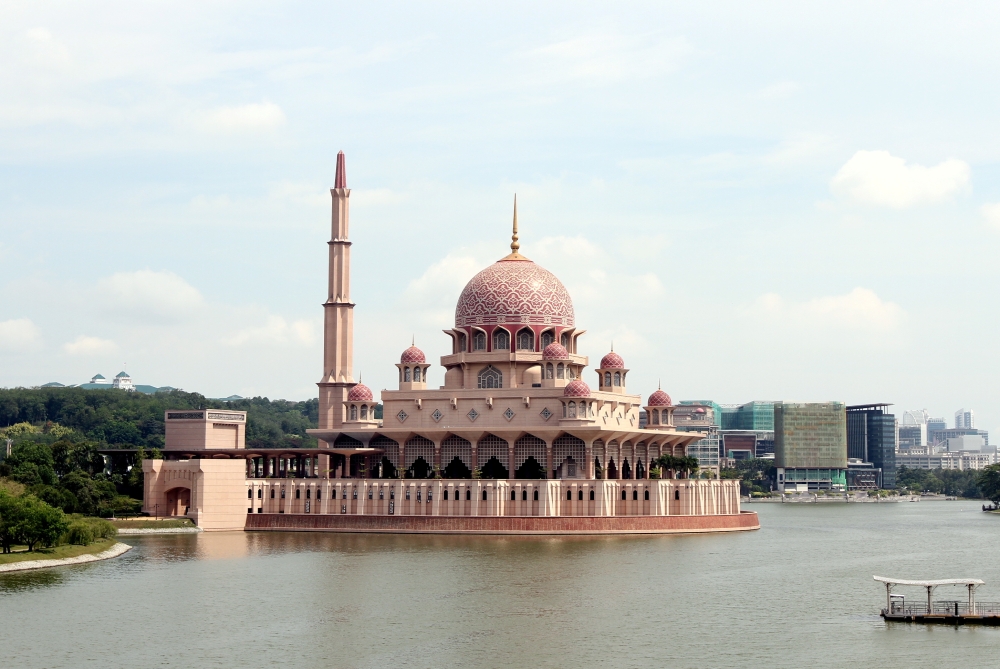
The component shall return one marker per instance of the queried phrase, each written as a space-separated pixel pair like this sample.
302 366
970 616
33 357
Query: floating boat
948 612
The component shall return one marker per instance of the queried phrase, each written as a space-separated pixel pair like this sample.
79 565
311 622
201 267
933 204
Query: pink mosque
515 441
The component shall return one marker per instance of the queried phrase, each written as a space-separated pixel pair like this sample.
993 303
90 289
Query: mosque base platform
551 525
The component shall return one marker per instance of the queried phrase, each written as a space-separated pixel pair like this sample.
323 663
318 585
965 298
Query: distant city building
122 381
959 460
871 437
863 475
810 446
913 429
965 419
700 417
935 425
737 424
941 437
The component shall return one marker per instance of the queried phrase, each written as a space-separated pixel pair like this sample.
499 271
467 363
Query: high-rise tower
338 310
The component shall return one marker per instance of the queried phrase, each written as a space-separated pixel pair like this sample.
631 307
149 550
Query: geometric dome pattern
412 355
360 393
576 388
612 361
514 291
659 399
555 351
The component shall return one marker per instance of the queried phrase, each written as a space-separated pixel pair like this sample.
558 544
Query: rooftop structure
514 432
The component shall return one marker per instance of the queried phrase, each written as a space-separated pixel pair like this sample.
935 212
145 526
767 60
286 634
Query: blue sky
778 201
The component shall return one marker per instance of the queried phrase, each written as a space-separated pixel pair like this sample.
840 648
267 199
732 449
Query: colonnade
494 497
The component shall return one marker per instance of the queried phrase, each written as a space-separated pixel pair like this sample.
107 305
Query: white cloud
604 58
877 177
860 309
275 330
243 118
777 91
19 335
145 294
991 212
434 293
84 345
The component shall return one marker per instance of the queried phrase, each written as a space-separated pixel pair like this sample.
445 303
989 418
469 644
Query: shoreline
158 530
25 565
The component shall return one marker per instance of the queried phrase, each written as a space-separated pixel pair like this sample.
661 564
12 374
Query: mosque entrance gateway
512 425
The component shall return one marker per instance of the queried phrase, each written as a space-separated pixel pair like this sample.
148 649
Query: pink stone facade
513 434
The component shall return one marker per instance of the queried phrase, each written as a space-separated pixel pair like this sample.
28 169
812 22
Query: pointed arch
501 340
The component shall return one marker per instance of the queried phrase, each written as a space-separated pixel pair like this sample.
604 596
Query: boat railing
943 608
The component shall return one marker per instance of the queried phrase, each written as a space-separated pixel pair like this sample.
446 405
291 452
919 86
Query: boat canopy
930 584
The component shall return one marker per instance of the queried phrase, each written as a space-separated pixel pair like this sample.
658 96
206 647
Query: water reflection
799 588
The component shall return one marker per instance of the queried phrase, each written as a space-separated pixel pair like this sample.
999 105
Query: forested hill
123 419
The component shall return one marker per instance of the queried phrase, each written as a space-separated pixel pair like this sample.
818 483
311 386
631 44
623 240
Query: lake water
797 593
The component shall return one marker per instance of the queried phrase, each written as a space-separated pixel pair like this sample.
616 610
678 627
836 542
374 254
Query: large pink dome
659 399
612 361
514 291
555 351
412 355
360 393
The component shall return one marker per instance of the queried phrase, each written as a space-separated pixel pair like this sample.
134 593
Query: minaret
338 311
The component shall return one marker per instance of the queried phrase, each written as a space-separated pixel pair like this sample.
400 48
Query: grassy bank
21 553
151 523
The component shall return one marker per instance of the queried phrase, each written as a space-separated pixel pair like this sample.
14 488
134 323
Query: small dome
576 388
612 361
360 393
659 399
412 355
555 351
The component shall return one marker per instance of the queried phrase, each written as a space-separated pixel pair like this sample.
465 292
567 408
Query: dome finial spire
514 245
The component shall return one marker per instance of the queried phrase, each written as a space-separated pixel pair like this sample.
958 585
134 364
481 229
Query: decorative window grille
479 341
491 377
568 450
419 447
607 379
564 340
437 415
460 344
364 412
545 413
547 338
529 446
508 414
389 447
492 446
416 374
354 412
406 374
473 414
525 340
561 371
618 379
501 340
401 416
456 447
549 371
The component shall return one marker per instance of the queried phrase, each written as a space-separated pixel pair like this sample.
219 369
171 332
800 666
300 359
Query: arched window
468 494
549 371
623 496
654 417
646 495
572 410
249 494
607 379
354 412
635 495
308 494
364 412
484 495
536 495
564 409
561 371
570 374
446 495
580 495
525 340
479 341
490 378
547 338
501 340
591 495
406 374
618 379
564 340
416 374
569 495
298 494
272 493
460 346
513 496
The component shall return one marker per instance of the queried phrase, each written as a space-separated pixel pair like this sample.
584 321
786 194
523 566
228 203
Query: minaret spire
514 245
338 310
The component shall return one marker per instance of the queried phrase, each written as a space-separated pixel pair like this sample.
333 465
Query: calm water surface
797 593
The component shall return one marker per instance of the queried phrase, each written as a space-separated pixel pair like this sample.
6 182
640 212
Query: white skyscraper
965 419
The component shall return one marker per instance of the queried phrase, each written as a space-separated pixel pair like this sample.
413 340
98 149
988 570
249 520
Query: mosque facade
514 441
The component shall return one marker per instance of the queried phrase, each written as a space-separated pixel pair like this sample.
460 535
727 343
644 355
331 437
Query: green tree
10 518
40 523
30 463
988 482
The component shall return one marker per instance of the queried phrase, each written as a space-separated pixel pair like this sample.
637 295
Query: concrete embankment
159 530
114 551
